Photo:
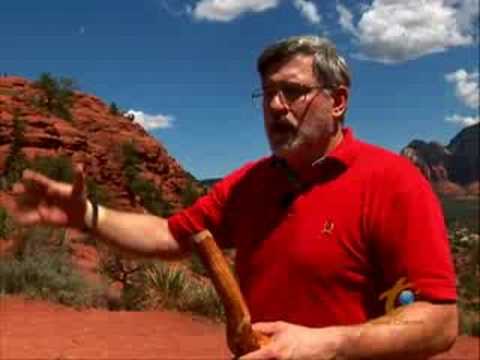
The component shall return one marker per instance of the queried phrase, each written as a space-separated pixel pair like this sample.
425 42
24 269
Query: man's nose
276 103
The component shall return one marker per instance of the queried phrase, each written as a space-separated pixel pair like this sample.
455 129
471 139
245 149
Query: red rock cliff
94 138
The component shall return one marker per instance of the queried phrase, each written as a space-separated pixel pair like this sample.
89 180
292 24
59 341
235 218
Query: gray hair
330 68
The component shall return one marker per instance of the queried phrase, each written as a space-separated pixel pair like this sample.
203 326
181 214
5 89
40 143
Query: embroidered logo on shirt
328 227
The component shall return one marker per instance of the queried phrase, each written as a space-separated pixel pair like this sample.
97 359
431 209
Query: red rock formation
473 188
449 188
93 137
452 169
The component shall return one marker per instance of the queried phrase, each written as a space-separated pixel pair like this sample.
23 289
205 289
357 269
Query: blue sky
187 68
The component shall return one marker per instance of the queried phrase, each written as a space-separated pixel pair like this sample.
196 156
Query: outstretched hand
289 341
41 200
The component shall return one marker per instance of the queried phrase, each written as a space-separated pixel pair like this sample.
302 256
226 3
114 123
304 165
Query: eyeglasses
289 94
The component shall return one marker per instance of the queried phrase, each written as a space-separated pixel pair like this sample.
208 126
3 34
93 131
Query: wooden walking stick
241 338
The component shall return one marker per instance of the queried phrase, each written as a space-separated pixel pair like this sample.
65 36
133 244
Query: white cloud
466 90
392 31
466 87
308 10
345 18
151 122
463 120
227 10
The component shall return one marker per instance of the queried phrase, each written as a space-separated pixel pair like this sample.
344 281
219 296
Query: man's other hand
294 342
41 200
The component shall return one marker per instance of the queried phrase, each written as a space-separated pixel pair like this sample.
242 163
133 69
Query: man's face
299 122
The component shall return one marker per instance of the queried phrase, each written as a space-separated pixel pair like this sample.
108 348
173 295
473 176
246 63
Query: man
325 228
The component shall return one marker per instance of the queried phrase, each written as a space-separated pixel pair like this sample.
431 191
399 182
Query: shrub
59 168
129 273
203 300
42 269
170 281
466 250
98 193
57 95
16 160
151 197
461 213
113 109
131 161
196 265
189 194
6 225
183 293
168 286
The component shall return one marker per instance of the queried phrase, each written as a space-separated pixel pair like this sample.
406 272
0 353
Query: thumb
268 328
78 189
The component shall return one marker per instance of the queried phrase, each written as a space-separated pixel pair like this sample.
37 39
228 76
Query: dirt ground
40 330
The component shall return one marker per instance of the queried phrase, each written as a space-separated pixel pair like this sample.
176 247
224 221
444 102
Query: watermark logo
402 291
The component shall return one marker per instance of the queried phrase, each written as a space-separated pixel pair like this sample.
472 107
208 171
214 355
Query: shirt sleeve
205 213
409 235
208 212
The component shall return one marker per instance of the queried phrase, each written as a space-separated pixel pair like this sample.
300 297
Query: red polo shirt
321 254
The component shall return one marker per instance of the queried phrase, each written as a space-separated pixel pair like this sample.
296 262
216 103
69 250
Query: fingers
27 217
268 328
43 214
36 178
274 348
32 187
52 215
266 351
18 188
39 199
261 354
24 200
36 184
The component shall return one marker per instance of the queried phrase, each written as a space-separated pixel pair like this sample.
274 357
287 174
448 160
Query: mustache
282 125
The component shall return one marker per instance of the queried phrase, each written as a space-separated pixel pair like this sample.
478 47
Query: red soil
39 330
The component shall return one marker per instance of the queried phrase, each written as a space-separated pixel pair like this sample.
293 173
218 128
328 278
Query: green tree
59 168
98 193
42 268
131 161
150 196
114 109
16 160
189 194
57 94
6 225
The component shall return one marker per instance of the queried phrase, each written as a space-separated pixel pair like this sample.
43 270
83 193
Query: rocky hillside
83 128
452 169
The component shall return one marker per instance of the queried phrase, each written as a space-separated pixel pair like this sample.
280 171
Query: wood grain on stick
241 338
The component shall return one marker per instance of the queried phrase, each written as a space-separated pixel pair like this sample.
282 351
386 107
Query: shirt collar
345 152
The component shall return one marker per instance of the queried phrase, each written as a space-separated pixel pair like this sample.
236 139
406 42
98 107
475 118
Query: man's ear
340 101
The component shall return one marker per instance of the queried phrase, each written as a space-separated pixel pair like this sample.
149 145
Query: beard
284 138
288 140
